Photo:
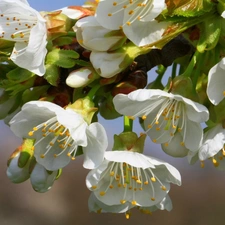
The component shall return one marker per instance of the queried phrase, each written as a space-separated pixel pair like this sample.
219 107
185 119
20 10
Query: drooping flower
92 36
26 27
216 83
95 205
213 146
135 17
58 133
126 177
165 116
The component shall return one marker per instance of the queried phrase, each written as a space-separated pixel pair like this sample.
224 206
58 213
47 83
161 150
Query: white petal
214 140
145 33
97 144
132 158
174 148
216 83
41 180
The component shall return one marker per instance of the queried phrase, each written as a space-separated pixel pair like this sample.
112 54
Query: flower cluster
60 70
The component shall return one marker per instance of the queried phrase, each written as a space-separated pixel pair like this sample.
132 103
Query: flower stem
128 124
174 70
92 92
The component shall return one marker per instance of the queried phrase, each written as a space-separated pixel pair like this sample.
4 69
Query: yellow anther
179 129
135 189
131 12
182 143
130 188
163 188
69 154
51 143
166 144
127 215
44 135
124 6
157 128
174 127
55 155
140 189
122 201
223 93
32 148
124 185
73 158
215 163
153 199
35 128
114 3
112 173
31 133
42 156
21 35
93 187
144 117
99 210
111 186
223 152
138 181
171 134
221 157
102 193
119 185
109 14
131 117
134 202
128 23
153 179
202 164
156 122
146 182
12 36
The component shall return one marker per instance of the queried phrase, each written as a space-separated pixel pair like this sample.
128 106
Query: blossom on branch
58 133
136 18
26 27
131 178
167 117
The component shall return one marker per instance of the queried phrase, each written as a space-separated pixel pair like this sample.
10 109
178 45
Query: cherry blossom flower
167 117
58 133
136 18
26 27
126 177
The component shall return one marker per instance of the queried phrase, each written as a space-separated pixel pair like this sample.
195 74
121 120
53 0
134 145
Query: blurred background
199 201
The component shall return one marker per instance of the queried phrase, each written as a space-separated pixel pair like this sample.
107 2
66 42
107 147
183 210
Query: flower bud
42 179
19 162
81 77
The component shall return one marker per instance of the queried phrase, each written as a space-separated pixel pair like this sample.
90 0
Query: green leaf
19 75
61 41
210 31
52 74
62 58
34 94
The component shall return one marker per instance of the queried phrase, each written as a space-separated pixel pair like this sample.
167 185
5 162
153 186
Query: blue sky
47 5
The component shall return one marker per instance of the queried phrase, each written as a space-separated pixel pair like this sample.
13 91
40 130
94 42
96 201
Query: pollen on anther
73 158
112 173
122 201
55 155
31 133
144 117
111 186
153 179
109 14
182 143
128 23
134 202
224 93
42 156
146 182
102 193
138 181
163 188
153 199
114 3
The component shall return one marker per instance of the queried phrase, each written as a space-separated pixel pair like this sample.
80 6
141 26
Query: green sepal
129 141
79 151
52 74
62 58
26 152
210 31
58 174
